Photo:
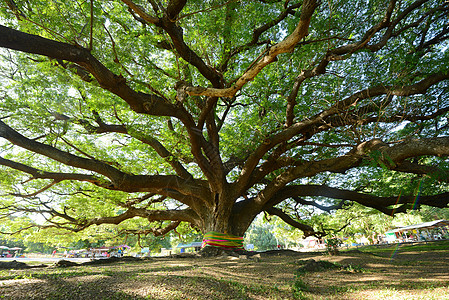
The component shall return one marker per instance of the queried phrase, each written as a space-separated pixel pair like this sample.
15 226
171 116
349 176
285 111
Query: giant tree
211 112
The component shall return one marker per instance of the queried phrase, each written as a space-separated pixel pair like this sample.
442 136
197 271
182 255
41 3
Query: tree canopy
146 114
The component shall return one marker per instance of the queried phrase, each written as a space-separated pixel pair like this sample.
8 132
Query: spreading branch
285 46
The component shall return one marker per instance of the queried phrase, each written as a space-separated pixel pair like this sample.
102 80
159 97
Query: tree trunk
223 214
225 219
232 227
231 224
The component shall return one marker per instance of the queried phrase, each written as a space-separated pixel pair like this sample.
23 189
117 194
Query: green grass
48 274
271 278
326 265
429 246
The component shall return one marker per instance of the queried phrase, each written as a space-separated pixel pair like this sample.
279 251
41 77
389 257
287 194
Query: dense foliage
146 115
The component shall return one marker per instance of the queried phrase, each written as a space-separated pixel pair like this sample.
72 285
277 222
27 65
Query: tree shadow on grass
405 275
135 283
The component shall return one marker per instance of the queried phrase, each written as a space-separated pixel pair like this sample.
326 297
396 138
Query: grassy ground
405 272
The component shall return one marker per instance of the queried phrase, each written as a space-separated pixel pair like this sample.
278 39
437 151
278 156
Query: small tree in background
332 246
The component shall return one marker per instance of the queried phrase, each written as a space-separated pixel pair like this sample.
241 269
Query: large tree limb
310 126
369 34
63 220
287 45
308 230
176 34
331 55
152 142
154 231
187 193
174 7
380 203
186 215
168 23
416 168
256 35
99 167
120 180
56 176
141 12
391 32
344 52
138 101
358 117
390 156
319 206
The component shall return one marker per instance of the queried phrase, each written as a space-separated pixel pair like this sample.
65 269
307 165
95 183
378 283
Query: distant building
190 247
428 231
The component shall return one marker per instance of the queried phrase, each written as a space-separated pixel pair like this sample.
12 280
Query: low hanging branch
308 230
153 231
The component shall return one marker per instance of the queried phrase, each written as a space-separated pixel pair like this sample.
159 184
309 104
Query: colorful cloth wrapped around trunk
222 240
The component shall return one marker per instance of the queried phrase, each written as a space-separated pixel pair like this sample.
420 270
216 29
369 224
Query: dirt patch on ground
276 275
